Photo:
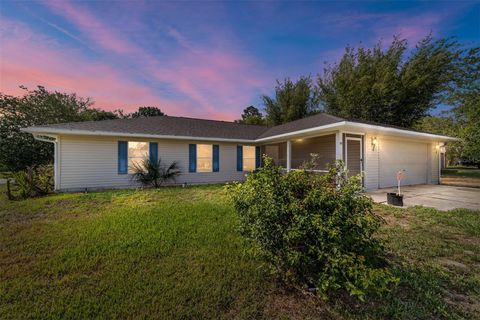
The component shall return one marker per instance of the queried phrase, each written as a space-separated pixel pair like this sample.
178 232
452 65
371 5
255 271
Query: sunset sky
208 59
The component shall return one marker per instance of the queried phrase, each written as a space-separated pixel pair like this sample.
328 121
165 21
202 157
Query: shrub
313 230
34 181
155 173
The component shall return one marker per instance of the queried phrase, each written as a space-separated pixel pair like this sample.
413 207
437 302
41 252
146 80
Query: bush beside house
313 230
32 182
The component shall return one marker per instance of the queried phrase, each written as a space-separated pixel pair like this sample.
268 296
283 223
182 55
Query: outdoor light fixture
440 148
299 140
374 143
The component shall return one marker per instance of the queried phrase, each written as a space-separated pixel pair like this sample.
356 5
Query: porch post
289 155
339 145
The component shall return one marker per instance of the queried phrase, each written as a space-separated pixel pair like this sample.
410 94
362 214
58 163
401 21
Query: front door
353 156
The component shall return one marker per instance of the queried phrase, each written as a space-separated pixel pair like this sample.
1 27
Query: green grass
461 172
175 253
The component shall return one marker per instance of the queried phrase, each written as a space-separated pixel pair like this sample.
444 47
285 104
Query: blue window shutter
216 156
192 158
258 157
239 158
122 157
153 152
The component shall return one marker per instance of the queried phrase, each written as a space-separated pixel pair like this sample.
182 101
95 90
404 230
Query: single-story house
99 154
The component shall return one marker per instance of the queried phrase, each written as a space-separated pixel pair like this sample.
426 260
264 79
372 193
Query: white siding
434 163
371 163
420 158
92 162
396 155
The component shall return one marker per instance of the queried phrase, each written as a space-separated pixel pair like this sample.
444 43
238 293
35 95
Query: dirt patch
468 240
463 301
297 305
401 220
452 263
461 181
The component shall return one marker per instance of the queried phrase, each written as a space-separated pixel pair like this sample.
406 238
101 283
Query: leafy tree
147 112
252 115
95 114
19 150
463 120
393 86
292 101
466 100
444 125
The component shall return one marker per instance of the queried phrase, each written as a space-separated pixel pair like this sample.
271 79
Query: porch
291 154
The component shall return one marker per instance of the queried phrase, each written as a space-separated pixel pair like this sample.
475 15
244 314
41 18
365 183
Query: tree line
395 85
19 150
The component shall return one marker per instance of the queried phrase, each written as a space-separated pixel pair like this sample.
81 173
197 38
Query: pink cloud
91 27
212 79
27 59
412 28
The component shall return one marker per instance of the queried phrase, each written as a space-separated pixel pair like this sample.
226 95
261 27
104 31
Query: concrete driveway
436 196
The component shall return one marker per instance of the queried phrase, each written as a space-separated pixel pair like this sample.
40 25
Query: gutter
49 131
403 131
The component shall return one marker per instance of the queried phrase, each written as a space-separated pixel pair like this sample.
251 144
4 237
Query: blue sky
201 59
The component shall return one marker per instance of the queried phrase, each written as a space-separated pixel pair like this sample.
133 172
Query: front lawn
175 253
469 172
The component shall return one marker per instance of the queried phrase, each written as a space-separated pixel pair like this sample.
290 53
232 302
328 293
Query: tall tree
447 125
465 98
95 114
38 107
395 86
292 101
463 120
147 112
251 115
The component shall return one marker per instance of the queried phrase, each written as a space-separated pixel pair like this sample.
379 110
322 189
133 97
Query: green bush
155 173
34 181
313 230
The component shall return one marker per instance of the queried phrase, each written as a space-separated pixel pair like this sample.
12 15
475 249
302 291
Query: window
204 158
137 152
248 158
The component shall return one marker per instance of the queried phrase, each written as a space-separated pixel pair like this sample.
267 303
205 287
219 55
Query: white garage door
398 155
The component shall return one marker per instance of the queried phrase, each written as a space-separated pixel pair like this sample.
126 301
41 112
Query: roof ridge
151 118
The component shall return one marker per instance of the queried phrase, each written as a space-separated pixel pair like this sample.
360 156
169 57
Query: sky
201 59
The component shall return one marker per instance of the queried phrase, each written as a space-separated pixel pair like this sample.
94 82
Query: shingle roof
167 125
196 128
317 120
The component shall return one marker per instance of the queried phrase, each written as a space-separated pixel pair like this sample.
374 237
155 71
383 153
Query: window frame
146 155
210 158
244 158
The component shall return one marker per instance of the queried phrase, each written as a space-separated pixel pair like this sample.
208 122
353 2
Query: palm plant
155 173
